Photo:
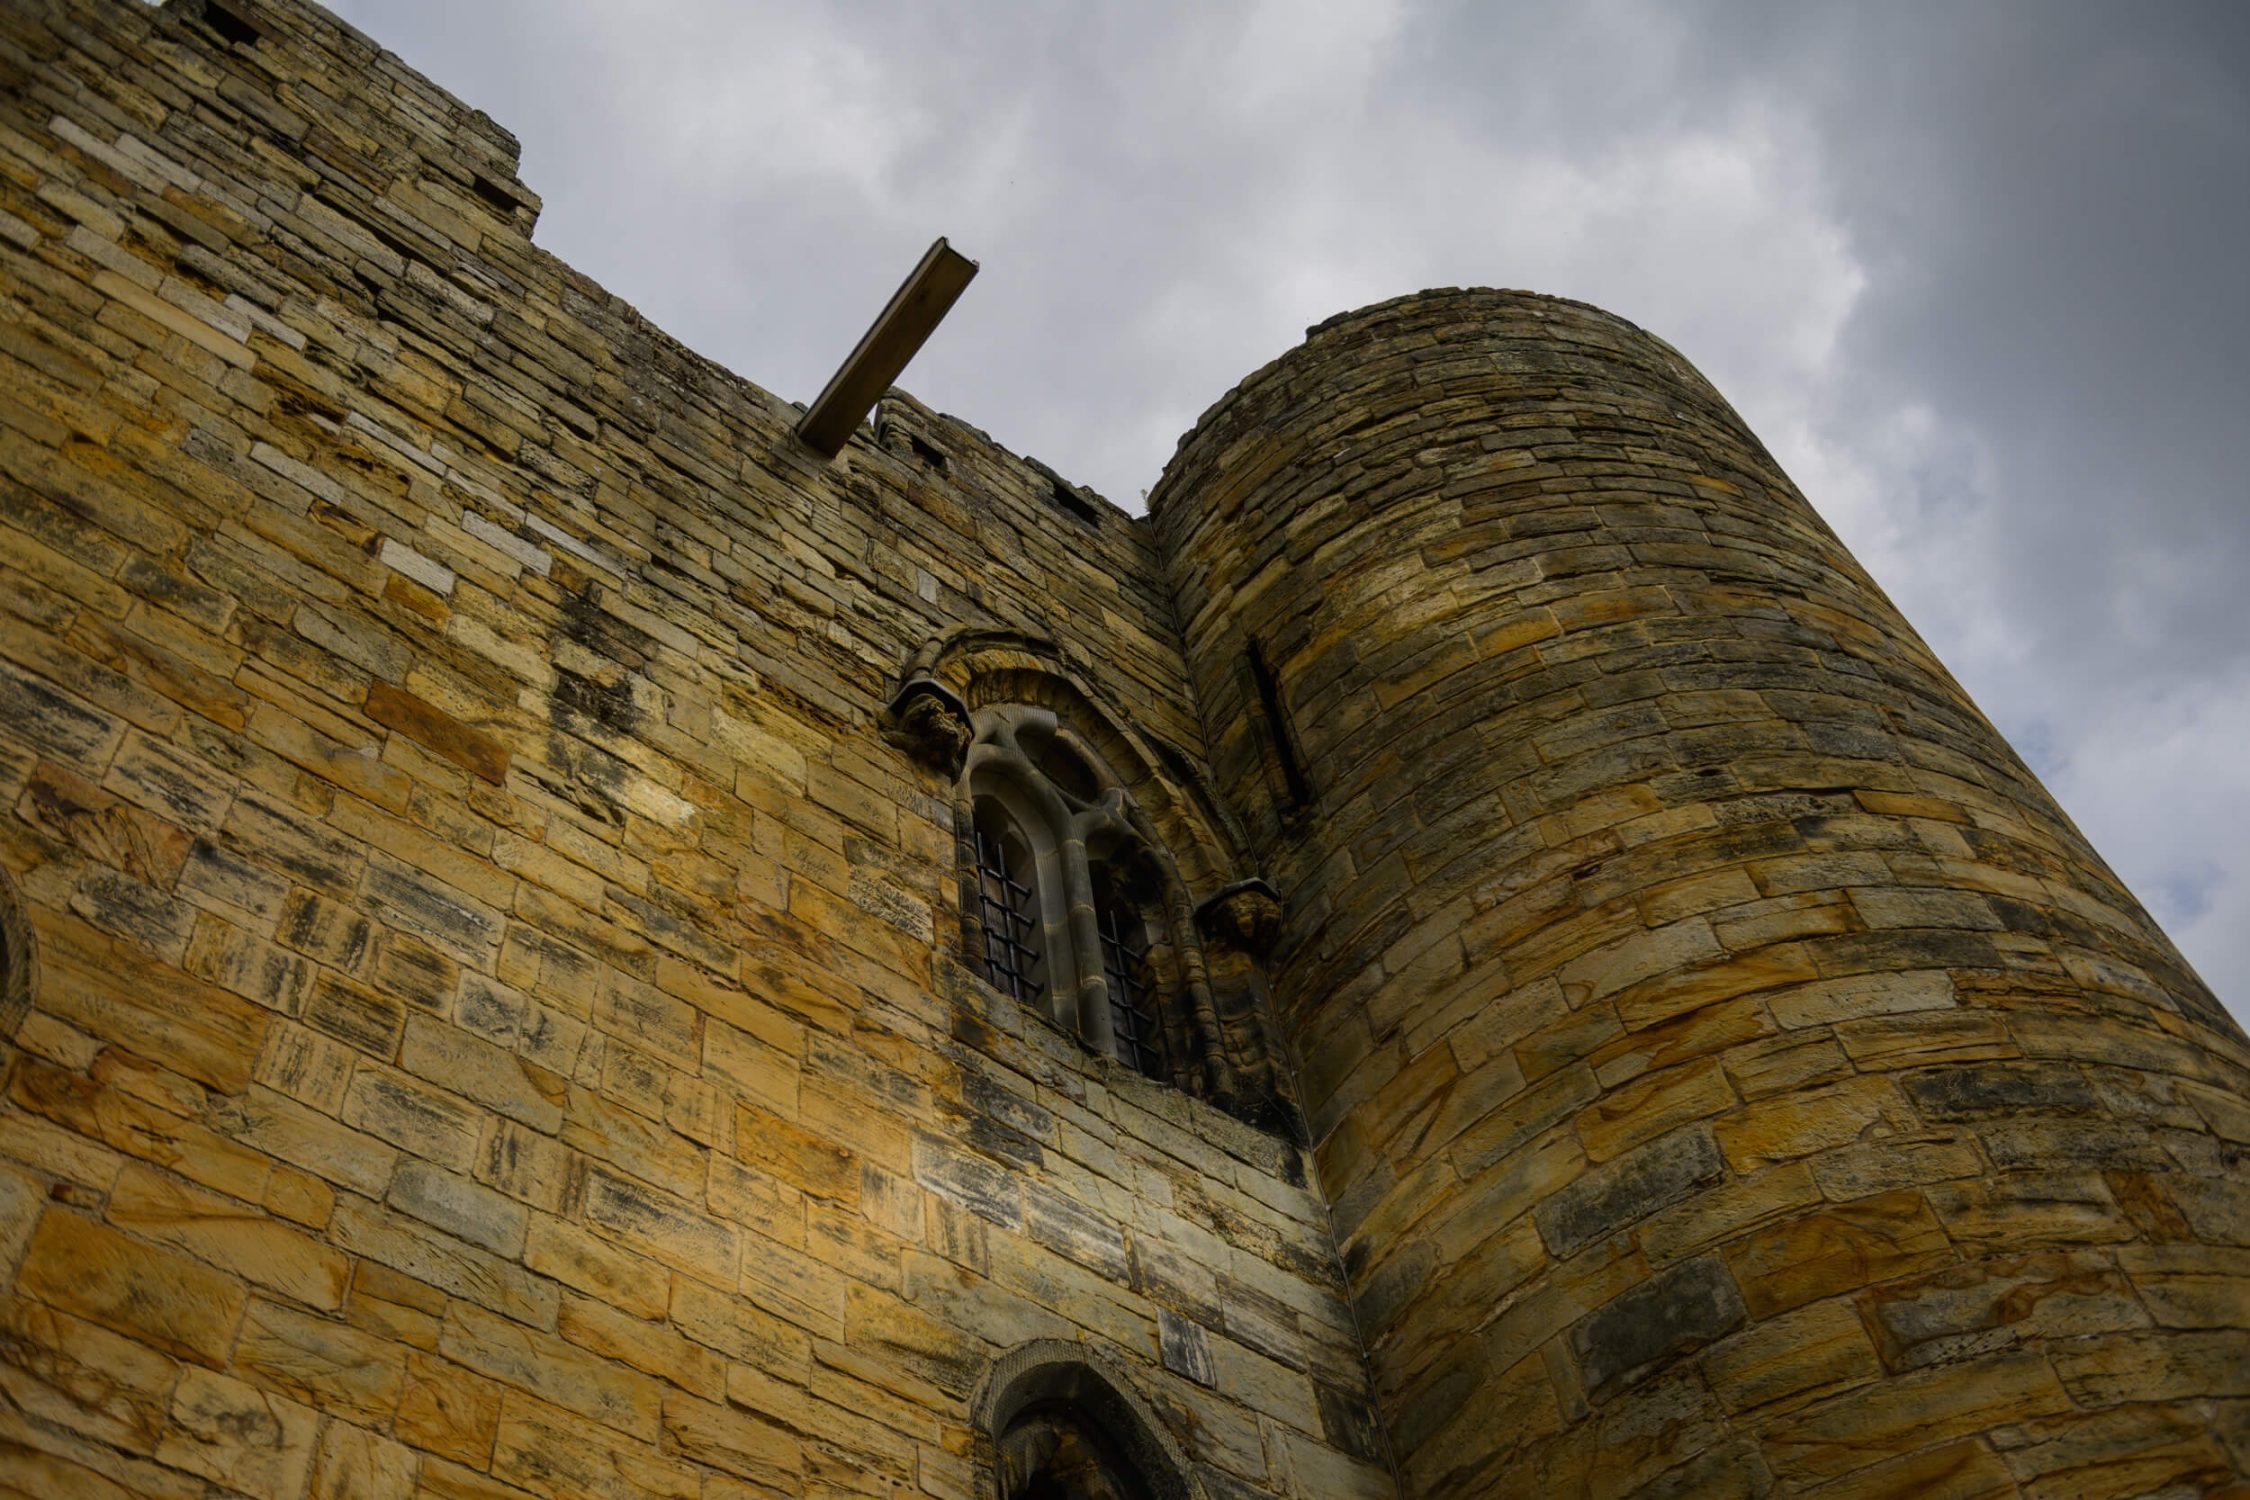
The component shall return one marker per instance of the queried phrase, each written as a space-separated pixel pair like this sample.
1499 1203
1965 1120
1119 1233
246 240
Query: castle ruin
557 945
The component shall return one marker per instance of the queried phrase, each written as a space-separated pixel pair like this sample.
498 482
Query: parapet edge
1324 338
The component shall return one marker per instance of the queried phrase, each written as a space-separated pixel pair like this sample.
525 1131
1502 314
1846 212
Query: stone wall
484 1011
1733 1074
498 1025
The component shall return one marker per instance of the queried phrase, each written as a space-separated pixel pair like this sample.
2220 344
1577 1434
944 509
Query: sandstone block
1676 1312
352 1463
1629 1189
320 1363
1846 1247
134 1288
460 1206
445 1409
552 1369
224 1232
1792 1360
239 1436
77 1376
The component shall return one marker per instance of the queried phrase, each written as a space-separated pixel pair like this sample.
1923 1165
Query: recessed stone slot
1068 499
229 25
496 197
1277 726
16 960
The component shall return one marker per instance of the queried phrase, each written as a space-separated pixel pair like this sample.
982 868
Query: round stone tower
1731 1071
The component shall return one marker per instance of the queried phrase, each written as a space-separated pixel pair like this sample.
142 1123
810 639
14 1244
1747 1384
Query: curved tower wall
1729 1066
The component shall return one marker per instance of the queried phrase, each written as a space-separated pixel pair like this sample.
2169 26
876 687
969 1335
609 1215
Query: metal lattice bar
1010 913
1132 999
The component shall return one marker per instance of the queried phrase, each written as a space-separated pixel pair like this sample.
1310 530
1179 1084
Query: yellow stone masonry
494 985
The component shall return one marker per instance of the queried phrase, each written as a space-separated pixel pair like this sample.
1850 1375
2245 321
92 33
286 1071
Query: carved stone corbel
1245 916
929 722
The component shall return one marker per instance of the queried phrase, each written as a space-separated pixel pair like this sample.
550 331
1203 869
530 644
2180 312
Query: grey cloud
1974 271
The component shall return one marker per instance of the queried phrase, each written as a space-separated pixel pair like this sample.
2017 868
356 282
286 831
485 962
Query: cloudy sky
1975 271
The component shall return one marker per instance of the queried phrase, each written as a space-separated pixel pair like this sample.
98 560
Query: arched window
1063 1426
1094 881
1055 1451
1008 909
1069 909
1136 1024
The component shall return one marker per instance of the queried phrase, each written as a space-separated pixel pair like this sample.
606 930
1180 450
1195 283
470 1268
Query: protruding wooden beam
915 310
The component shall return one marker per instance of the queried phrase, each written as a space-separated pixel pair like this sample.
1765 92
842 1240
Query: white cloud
2161 784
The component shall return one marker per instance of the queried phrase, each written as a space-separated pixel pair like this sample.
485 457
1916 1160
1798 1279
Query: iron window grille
1136 1030
1009 909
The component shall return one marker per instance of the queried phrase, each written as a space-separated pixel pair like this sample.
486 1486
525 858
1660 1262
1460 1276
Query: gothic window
1136 1029
1073 906
1066 907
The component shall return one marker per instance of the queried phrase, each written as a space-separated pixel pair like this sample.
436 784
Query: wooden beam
915 310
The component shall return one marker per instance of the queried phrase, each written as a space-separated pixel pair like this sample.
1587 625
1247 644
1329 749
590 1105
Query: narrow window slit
1277 726
1008 906
1136 1029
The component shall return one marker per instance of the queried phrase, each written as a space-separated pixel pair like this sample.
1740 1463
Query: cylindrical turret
1732 1072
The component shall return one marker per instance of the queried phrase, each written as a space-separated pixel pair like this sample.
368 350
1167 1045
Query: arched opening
1054 1451
1064 1427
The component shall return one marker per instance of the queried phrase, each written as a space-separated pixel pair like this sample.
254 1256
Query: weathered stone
239 1436
444 1409
1842 1248
60 1370
1792 1360
1851 1431
225 1232
318 1362
414 1249
459 836
1675 1312
1990 1089
1629 1189
460 1206
1185 1350
395 708
352 1463
1993 1305
552 1369
172 1303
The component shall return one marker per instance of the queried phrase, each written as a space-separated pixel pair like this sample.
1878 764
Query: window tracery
1096 884
1068 893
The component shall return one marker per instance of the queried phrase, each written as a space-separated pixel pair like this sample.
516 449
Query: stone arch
19 960
982 667
1219 916
1011 760
1049 1373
